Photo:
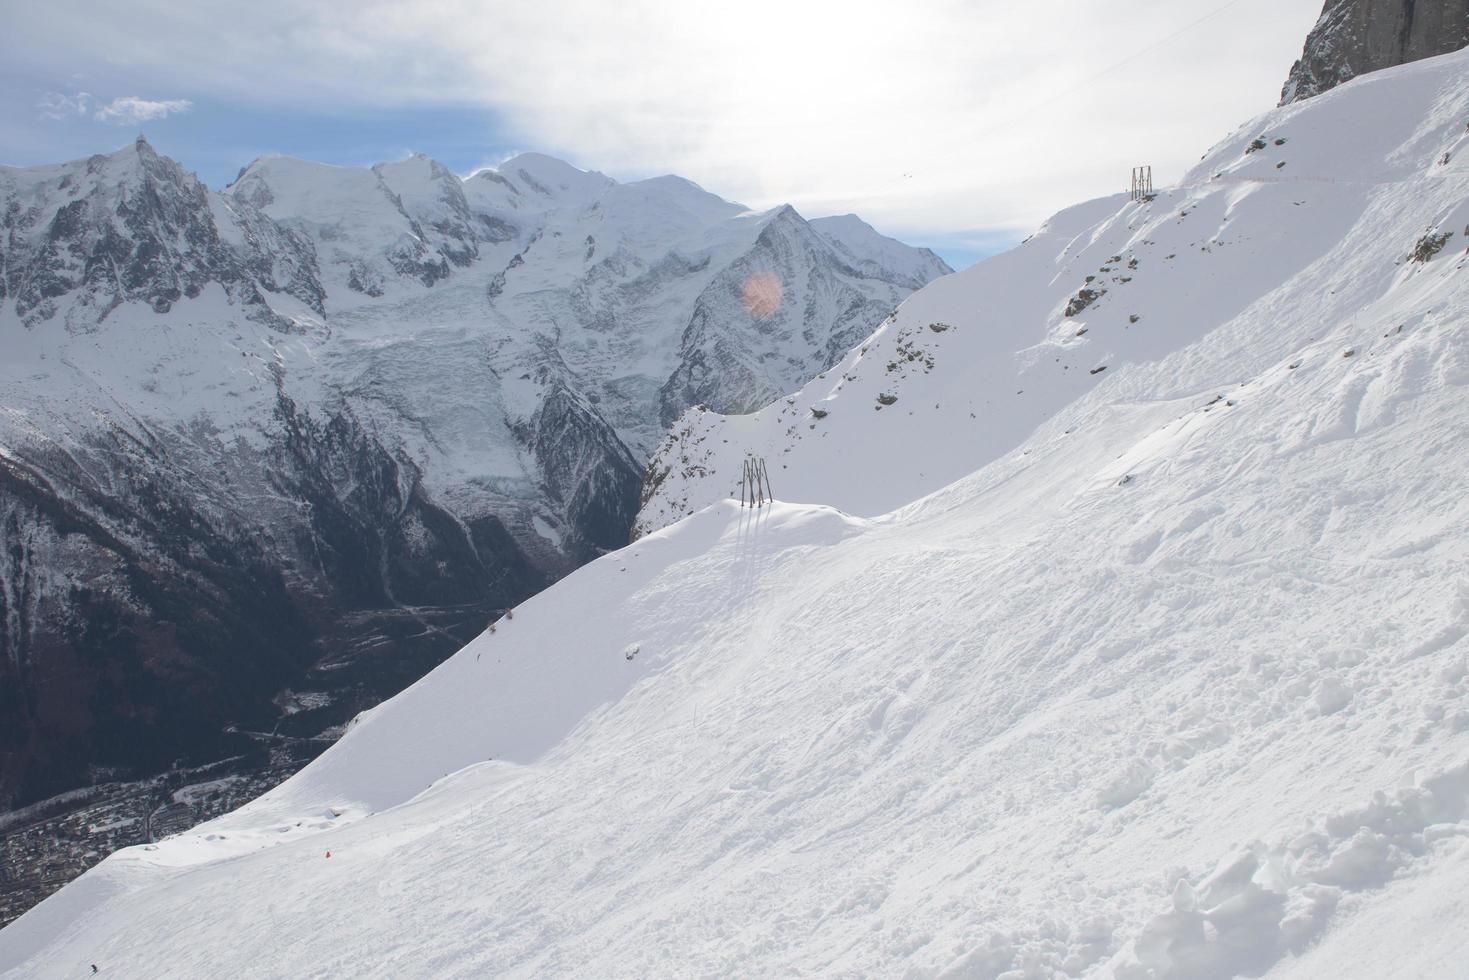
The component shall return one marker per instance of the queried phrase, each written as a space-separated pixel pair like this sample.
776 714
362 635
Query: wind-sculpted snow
1171 683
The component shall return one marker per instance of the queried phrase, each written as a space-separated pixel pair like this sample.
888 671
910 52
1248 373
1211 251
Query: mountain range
1111 621
268 454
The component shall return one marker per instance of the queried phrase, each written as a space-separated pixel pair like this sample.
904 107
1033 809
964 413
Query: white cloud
939 117
59 105
127 110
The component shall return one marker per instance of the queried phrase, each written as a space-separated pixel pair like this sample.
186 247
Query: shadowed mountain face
1354 37
269 454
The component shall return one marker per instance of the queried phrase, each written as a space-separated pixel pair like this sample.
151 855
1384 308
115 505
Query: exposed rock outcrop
1354 37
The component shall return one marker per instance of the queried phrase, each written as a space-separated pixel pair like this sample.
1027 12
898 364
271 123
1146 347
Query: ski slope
1161 673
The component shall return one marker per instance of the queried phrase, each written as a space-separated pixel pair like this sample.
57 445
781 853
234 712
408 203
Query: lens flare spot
762 294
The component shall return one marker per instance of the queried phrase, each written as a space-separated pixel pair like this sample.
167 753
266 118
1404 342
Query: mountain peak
549 177
544 162
139 148
127 164
419 165
786 214
866 247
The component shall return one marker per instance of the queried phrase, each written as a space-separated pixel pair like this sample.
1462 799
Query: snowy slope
1320 220
1172 682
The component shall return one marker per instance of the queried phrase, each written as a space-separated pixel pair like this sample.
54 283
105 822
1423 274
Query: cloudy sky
959 124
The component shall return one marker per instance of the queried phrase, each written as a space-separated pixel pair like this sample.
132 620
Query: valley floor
46 845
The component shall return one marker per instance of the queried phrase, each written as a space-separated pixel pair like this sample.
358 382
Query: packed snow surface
1154 672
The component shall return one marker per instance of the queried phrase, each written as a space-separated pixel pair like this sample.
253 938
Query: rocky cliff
1354 37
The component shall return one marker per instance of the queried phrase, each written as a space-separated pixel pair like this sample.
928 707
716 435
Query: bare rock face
1354 37
82 239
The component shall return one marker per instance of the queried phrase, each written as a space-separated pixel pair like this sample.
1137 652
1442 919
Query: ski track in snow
1168 678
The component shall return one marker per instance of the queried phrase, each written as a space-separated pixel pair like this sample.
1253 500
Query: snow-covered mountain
308 435
1113 623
